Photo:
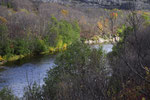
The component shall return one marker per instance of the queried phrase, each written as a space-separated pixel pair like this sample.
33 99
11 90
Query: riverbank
18 74
100 40
15 74
50 51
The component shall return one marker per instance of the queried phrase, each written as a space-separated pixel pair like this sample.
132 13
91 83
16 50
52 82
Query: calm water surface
19 74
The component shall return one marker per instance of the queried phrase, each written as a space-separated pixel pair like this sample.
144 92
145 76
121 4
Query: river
19 74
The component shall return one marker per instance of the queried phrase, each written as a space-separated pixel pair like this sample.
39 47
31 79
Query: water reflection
17 76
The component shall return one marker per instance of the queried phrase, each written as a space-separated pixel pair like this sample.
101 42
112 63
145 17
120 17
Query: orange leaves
146 13
1 59
3 20
106 22
100 26
114 15
83 20
64 12
103 25
65 46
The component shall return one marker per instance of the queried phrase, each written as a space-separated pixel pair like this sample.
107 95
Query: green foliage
39 46
60 32
6 94
146 16
122 32
4 41
21 47
73 63
77 53
67 61
2 3
3 33
9 5
7 49
33 92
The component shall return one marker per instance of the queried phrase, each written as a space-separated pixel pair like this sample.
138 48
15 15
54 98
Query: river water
19 74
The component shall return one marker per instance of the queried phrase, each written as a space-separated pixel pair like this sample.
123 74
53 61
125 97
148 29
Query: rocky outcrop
122 4
101 40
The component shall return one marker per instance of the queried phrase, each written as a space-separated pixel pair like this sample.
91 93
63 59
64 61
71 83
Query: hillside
121 4
110 4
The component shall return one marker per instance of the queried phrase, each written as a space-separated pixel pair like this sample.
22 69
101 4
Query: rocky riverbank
102 40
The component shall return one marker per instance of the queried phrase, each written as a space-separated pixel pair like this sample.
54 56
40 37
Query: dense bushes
80 73
6 94
130 61
58 34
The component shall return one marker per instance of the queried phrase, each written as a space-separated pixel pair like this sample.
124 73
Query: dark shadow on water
34 59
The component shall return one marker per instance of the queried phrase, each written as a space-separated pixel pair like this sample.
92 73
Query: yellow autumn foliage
15 57
24 10
100 26
52 50
64 12
147 70
146 13
106 22
65 46
3 20
1 59
82 20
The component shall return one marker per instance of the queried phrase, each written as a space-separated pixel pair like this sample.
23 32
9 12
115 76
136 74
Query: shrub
3 33
1 59
39 46
129 61
21 47
79 73
33 92
6 94
3 20
3 39
60 32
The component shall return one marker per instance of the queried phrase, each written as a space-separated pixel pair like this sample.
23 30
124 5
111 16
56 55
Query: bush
3 33
6 49
33 92
39 46
77 73
21 47
129 62
60 32
6 94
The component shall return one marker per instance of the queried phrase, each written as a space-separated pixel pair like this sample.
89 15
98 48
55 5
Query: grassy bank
51 51
59 34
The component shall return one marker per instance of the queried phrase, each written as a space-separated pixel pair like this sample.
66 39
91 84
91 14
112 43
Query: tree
130 60
79 74
61 32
